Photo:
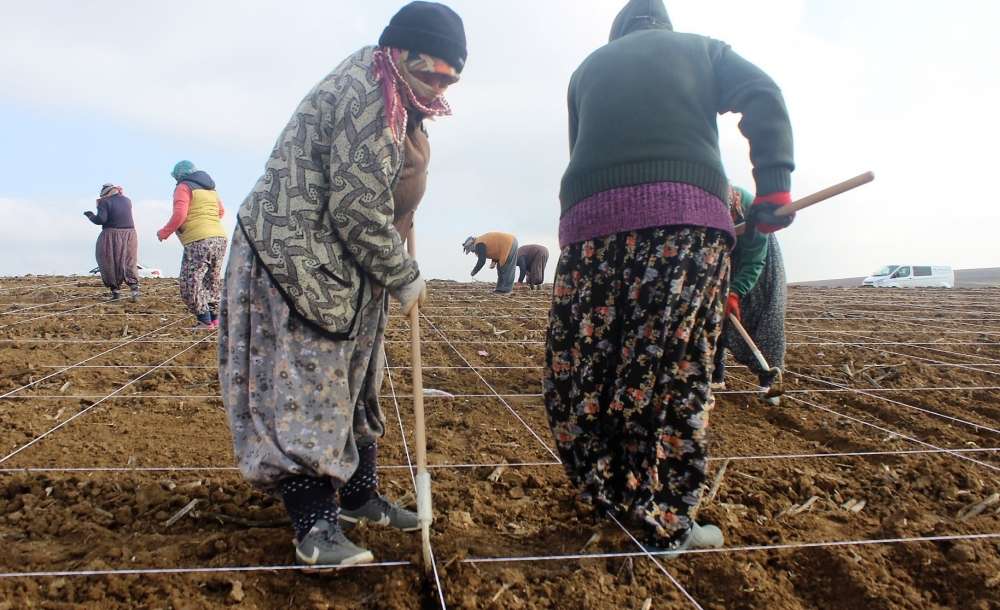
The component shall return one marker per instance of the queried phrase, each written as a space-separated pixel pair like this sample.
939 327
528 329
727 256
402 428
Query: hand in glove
733 306
762 212
412 295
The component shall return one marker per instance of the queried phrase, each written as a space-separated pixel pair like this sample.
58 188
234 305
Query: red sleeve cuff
781 198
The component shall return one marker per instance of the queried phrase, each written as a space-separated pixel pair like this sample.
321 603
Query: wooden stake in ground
817 197
425 513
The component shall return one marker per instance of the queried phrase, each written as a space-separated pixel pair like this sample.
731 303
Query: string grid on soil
875 484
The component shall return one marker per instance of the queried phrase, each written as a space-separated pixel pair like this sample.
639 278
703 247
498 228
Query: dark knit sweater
643 109
113 212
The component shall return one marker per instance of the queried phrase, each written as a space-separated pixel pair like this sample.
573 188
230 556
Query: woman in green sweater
757 295
641 283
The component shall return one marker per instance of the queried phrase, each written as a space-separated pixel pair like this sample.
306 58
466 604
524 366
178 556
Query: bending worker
501 249
757 296
311 270
531 261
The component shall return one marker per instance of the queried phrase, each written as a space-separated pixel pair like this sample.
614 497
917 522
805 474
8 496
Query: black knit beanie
428 27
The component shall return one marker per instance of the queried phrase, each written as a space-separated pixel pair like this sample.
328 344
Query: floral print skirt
201 275
632 334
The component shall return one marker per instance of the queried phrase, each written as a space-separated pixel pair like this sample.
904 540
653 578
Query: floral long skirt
632 334
201 275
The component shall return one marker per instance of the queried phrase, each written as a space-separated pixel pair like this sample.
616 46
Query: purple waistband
643 206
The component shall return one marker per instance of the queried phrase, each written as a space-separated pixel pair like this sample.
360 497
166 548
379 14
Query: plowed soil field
874 485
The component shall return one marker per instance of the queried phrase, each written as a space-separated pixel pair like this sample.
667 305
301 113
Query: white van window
922 271
902 272
885 270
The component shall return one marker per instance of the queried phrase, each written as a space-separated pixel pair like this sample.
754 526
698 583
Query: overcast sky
118 91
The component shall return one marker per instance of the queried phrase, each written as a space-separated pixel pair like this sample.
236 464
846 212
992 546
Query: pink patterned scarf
401 90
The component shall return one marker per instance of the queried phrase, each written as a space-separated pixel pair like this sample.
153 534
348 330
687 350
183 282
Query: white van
881 274
912 276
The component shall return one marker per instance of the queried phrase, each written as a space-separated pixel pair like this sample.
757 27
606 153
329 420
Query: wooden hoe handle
818 196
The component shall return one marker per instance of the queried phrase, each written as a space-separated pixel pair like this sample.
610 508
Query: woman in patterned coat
317 252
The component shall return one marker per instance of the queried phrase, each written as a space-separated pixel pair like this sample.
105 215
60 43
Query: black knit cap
428 27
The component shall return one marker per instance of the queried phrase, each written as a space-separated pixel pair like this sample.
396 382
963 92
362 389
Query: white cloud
888 86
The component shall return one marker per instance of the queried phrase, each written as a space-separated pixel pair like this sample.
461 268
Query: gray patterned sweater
320 218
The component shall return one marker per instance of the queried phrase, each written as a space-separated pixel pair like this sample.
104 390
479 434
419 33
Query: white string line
132 366
881 331
929 347
111 315
88 341
820 301
492 389
959 299
754 392
656 561
31 288
210 366
862 303
507 315
790 343
863 306
865 345
486 367
390 467
493 333
235 469
97 304
886 430
898 403
899 434
50 304
63 370
819 342
926 346
91 407
413 479
789 546
230 569
976 321
843 318
915 309
960 365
